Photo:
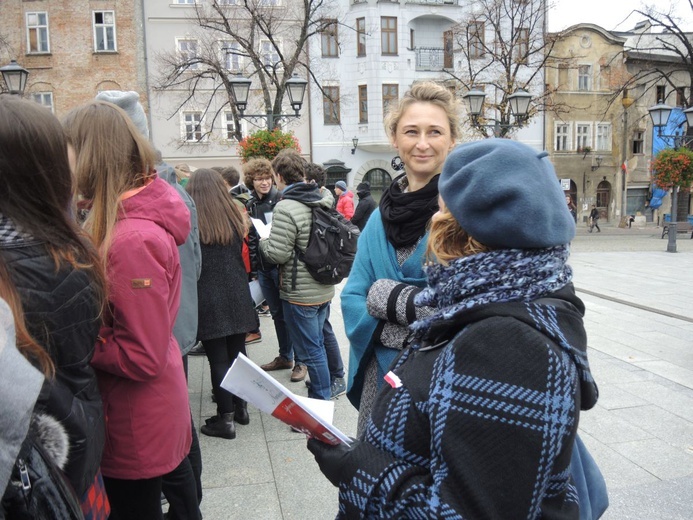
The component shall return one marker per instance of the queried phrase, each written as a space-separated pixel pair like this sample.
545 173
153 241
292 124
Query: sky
609 14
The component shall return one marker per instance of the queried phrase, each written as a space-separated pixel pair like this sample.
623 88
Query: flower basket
673 167
267 144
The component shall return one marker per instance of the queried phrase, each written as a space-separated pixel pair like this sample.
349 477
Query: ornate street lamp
660 117
15 77
355 142
519 105
295 89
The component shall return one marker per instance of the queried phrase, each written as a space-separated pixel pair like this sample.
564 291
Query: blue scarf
502 275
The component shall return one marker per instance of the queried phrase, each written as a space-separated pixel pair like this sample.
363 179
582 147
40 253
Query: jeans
306 330
334 357
269 283
221 353
134 499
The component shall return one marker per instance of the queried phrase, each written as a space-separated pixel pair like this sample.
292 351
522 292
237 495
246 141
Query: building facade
379 49
585 123
74 50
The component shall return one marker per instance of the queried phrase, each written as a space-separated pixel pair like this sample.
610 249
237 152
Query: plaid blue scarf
503 275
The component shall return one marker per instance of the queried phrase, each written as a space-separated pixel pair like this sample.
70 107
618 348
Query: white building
377 50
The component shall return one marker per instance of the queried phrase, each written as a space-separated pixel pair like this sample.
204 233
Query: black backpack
331 247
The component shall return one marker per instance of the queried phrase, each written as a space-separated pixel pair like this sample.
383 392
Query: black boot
221 427
241 411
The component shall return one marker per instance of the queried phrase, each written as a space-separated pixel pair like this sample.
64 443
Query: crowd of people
467 350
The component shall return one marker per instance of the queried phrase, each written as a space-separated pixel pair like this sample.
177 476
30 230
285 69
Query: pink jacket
345 204
138 362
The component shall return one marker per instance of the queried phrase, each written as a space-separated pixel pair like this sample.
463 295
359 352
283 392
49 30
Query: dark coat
63 314
364 208
225 305
261 209
481 421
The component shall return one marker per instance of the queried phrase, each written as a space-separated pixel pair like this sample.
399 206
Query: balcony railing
432 58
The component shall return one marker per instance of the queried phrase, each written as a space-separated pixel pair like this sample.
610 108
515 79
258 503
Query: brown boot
278 363
221 427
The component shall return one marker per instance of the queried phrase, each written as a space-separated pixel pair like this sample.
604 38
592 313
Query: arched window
379 180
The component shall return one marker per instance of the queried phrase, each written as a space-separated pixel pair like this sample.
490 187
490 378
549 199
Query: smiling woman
377 301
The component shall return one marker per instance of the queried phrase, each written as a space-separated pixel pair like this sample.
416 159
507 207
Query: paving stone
657 457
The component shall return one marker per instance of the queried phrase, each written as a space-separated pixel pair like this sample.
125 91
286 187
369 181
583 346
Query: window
661 94
192 127
390 95
585 77
583 135
638 141
562 137
360 36
228 127
187 49
186 2
43 98
363 104
330 105
269 53
681 97
37 32
269 3
228 2
604 136
475 39
330 44
388 35
231 56
522 45
104 31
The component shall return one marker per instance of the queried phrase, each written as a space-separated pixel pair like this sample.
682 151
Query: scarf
503 275
406 215
10 233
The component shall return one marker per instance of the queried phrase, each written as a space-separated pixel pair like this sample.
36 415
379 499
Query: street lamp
519 105
15 77
660 117
295 89
355 142
626 102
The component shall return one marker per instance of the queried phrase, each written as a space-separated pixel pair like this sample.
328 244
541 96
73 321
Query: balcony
432 59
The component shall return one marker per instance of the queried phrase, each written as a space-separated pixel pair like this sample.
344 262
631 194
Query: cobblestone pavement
639 321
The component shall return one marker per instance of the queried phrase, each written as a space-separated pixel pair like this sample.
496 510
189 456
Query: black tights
134 499
221 353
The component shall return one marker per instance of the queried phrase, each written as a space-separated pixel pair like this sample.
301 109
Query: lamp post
660 117
15 77
295 89
355 142
519 105
626 102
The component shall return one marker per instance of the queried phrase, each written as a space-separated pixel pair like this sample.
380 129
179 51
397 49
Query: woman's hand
337 463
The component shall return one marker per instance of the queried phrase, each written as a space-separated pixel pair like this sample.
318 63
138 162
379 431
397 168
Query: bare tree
262 40
501 46
663 50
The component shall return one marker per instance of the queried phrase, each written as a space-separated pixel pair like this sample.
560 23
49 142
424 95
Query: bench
681 227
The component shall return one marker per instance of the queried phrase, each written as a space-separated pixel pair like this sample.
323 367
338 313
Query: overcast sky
609 14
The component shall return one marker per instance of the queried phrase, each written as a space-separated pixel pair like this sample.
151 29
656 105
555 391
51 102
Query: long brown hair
112 158
218 218
447 241
36 194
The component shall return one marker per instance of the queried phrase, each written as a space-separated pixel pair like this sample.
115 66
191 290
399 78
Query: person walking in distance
594 219
366 205
345 199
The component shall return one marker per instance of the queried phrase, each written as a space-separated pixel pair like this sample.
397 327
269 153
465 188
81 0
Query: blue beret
506 195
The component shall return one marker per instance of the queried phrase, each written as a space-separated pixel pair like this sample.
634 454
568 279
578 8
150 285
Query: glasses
264 180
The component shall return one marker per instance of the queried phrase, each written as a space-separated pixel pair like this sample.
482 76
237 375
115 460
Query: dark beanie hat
363 187
506 195
341 185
